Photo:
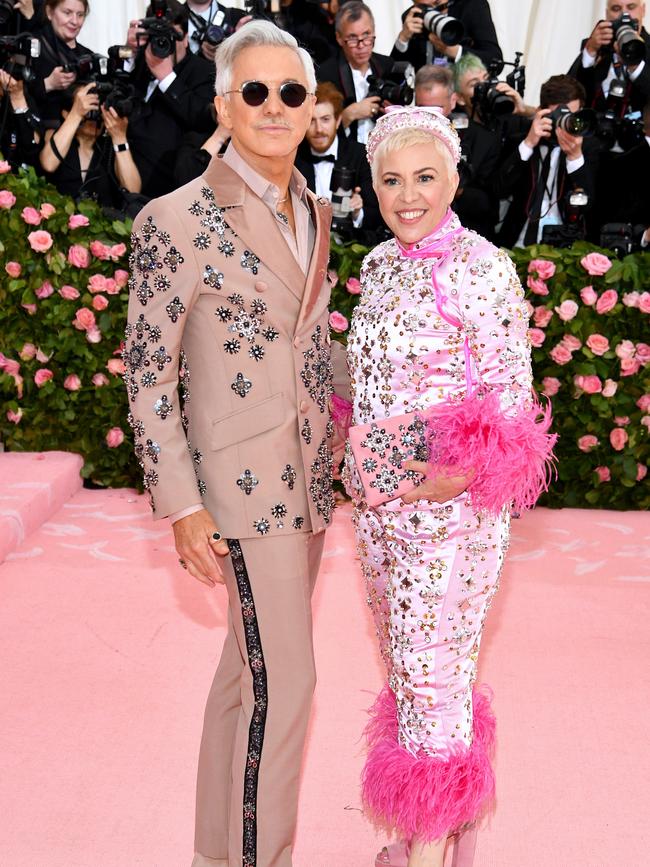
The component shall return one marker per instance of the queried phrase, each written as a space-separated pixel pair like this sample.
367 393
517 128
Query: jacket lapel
321 211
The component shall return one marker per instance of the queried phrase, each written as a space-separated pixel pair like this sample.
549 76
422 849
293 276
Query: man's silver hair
252 35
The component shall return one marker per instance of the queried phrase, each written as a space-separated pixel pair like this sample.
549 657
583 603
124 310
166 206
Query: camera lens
449 30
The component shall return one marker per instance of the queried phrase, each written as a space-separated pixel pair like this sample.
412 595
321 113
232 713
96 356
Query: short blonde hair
404 138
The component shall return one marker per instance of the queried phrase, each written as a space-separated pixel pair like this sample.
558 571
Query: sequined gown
432 570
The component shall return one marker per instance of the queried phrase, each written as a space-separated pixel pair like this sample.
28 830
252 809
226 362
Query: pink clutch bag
380 450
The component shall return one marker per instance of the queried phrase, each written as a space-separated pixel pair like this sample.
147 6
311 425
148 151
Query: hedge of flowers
63 301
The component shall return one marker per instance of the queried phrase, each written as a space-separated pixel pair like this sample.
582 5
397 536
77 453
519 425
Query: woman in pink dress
441 329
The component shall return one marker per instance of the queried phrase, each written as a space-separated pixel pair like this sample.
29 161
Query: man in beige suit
229 298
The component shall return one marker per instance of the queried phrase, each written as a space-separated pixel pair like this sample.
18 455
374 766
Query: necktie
324 158
535 210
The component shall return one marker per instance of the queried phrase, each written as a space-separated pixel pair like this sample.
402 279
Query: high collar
446 229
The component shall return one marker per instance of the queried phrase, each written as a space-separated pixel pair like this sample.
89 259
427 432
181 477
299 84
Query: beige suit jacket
219 304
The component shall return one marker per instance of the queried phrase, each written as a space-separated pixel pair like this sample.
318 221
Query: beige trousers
258 706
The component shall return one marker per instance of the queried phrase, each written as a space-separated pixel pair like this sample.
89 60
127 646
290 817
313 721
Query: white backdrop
547 31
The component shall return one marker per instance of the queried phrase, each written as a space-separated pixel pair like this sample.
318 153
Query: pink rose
529 307
560 354
645 421
115 366
47 210
42 357
644 302
31 216
607 301
72 382
100 302
567 310
42 376
28 351
93 335
571 343
604 474
40 241
598 344
542 316
117 251
14 417
596 264
84 319
121 278
10 366
618 437
30 308
7 199
625 349
115 437
551 385
69 293
537 286
643 353
100 251
97 283
644 402
100 379
338 322
537 336
45 290
76 221
641 472
4 167
13 269
631 299
588 295
587 443
545 269
78 256
622 420
609 388
111 287
630 366
591 385
353 286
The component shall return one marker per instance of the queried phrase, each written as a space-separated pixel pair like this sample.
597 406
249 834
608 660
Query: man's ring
217 537
183 563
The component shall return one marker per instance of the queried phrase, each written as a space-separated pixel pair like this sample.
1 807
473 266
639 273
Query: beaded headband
418 117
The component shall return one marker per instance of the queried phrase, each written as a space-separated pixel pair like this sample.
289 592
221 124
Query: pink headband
417 117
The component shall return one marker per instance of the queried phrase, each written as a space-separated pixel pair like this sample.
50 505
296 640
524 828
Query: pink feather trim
511 457
427 797
341 414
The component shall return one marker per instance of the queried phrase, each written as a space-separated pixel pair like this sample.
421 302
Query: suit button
304 406
296 342
261 286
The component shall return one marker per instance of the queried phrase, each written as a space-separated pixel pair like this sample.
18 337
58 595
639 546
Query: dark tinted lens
293 94
254 92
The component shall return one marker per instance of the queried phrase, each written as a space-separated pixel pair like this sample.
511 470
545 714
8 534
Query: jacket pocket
249 422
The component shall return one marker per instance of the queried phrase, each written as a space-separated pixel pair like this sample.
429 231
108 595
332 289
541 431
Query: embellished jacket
220 307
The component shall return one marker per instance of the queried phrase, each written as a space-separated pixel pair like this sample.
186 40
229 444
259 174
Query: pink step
33 486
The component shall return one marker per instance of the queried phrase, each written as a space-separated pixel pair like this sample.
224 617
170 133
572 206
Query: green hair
467 63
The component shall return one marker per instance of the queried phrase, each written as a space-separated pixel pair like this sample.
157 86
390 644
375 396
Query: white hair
404 138
251 35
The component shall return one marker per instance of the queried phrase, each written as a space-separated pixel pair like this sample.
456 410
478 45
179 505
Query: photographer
355 63
176 89
480 150
617 48
546 167
209 23
323 152
20 126
20 16
420 47
469 72
311 26
81 161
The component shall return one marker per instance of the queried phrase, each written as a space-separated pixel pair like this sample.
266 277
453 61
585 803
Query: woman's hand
115 125
25 7
440 483
84 101
59 80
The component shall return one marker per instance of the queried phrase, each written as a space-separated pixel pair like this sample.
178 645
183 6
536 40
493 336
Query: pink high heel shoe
393 855
464 843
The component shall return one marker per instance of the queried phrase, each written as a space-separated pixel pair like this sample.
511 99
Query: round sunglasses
255 93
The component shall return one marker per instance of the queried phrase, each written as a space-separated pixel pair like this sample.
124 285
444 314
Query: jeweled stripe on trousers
260 695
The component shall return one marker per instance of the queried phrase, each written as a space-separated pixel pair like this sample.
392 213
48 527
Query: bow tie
325 158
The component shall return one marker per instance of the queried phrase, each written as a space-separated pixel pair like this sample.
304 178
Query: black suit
351 155
480 35
592 78
338 71
476 207
624 187
311 27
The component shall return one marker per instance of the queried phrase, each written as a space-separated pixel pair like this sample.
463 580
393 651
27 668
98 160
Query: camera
618 237
214 32
580 123
488 102
448 30
618 131
631 45
109 78
575 226
397 85
17 54
342 187
158 32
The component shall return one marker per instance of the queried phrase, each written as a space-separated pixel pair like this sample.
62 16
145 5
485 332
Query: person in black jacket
350 69
599 60
176 94
28 15
204 14
546 167
324 150
20 126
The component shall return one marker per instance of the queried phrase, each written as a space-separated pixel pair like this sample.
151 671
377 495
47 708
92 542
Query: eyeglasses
364 39
256 93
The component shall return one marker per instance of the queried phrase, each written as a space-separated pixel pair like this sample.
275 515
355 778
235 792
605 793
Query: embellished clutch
380 450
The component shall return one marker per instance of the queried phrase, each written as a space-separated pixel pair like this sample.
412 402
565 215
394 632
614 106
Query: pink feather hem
341 414
425 797
510 457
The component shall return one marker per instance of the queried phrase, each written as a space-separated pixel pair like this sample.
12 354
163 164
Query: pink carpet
108 649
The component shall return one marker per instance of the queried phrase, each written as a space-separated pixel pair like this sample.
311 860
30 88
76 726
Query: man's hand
571 144
365 108
208 50
412 24
441 47
356 202
440 485
159 67
197 549
603 34
133 33
541 127
646 236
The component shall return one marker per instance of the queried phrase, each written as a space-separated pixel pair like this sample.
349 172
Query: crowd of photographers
139 122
